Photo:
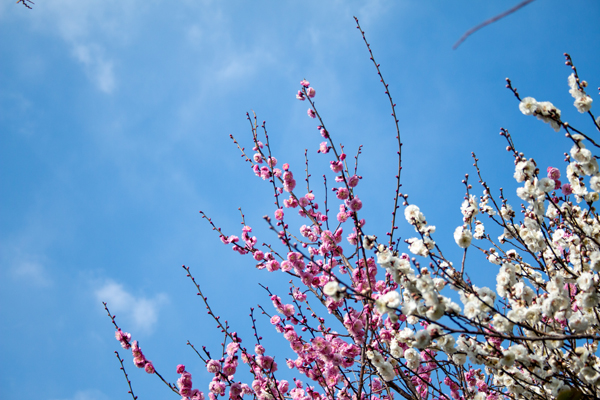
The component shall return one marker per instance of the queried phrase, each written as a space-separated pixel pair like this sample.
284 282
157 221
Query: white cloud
31 271
97 67
91 28
142 312
22 255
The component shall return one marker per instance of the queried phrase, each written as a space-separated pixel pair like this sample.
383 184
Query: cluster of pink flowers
124 338
184 383
139 359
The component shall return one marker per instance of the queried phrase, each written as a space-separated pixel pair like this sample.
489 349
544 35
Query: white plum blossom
463 237
528 106
524 170
546 185
333 290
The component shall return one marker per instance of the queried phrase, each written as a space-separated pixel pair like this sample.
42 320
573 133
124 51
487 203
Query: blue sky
115 119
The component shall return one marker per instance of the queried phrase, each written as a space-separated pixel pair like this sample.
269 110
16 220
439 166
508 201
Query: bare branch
490 21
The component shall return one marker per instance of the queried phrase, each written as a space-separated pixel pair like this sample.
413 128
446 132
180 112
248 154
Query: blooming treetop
414 331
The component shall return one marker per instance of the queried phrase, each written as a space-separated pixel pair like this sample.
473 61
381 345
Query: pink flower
324 133
279 214
196 395
303 201
213 366
235 390
149 368
216 387
259 349
300 95
343 193
304 83
272 265
311 113
353 181
180 368
553 173
566 189
286 266
124 338
232 348
557 184
311 92
323 148
336 166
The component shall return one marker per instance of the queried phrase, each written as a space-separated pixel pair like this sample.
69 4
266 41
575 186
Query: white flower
528 106
388 302
375 357
422 339
591 197
386 370
583 104
479 231
591 168
436 312
581 154
595 260
590 375
585 281
472 310
524 170
595 183
395 349
463 237
578 322
412 213
554 386
520 352
459 358
507 212
469 209
411 354
333 290
508 358
417 247
502 324
546 185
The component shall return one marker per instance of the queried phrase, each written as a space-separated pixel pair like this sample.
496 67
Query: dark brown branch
24 2
490 21
126 377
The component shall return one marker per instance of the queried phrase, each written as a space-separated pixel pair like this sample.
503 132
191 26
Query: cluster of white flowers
583 102
385 368
463 236
583 164
554 296
543 110
415 217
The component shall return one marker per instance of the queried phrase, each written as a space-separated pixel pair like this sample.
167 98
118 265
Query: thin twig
490 21
126 377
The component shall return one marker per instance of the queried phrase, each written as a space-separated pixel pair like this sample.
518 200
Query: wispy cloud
90 29
142 312
98 68
31 271
23 255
